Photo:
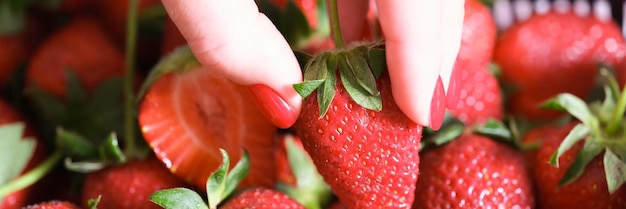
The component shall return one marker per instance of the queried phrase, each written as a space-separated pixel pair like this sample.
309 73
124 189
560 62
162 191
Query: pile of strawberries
87 122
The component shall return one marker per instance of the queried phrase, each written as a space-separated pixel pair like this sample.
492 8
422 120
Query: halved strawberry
189 112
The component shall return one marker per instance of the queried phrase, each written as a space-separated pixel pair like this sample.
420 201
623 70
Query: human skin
422 41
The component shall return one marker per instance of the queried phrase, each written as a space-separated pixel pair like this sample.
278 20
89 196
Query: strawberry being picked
553 53
187 112
473 170
582 164
361 143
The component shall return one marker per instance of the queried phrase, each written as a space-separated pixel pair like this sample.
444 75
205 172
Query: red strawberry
553 53
366 149
480 98
473 171
81 46
261 198
53 204
580 164
479 34
129 185
588 191
189 112
16 48
20 198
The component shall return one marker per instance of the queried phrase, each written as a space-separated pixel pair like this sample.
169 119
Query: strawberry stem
614 124
31 176
131 39
334 24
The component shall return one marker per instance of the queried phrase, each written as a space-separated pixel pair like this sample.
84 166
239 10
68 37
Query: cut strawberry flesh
187 117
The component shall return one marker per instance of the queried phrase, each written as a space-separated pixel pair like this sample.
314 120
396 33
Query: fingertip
281 112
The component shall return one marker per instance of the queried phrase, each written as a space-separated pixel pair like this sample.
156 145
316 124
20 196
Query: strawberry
129 185
361 143
21 197
580 164
473 171
588 191
261 198
188 112
297 176
478 38
53 204
553 53
16 48
81 46
480 98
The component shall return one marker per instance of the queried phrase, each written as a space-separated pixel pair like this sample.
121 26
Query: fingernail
274 107
437 106
454 88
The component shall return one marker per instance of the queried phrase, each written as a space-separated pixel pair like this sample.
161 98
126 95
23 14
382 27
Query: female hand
422 40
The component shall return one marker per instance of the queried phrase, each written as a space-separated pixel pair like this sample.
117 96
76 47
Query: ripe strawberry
588 191
53 204
81 46
25 196
473 171
366 149
553 53
580 164
480 98
16 48
189 112
261 198
478 38
129 185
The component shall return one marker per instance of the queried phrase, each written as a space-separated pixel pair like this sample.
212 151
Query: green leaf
84 166
74 90
575 106
302 57
377 60
443 136
494 129
323 21
93 203
74 145
359 69
15 151
355 90
579 132
615 170
110 150
12 19
294 25
305 88
237 174
317 68
328 88
178 198
311 190
216 185
589 151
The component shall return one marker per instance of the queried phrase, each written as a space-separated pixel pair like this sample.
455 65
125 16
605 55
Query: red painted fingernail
437 106
273 106
454 88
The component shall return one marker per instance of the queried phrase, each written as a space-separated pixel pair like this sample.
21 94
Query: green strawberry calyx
601 127
310 190
359 67
220 185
